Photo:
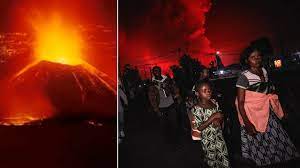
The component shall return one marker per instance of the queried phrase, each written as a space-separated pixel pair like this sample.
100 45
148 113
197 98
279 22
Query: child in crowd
206 123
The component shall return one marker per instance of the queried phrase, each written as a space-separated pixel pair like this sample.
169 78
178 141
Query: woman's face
255 59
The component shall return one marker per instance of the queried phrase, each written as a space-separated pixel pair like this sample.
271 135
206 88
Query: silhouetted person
162 95
122 109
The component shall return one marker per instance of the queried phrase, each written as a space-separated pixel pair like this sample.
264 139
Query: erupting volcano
58 82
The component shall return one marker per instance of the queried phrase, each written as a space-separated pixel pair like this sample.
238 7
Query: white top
248 78
165 101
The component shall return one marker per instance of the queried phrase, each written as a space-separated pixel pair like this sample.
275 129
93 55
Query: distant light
221 72
218 52
278 63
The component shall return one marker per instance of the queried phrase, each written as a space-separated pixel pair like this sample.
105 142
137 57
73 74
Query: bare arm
205 124
241 102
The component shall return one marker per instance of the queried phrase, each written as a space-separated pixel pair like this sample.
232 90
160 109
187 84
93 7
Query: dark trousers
183 119
169 124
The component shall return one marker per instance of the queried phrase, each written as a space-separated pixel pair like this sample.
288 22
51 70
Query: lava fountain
55 43
59 82
58 43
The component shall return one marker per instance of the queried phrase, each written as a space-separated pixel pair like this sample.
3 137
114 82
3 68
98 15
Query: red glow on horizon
162 41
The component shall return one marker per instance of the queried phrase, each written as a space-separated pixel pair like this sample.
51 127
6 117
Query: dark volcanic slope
73 90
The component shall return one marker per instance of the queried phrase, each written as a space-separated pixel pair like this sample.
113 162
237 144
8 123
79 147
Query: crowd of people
196 110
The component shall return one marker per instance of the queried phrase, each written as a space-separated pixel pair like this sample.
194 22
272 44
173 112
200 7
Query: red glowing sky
150 32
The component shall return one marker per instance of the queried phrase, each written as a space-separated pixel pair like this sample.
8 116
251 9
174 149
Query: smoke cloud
158 32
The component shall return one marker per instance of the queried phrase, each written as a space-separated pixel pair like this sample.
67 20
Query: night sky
230 25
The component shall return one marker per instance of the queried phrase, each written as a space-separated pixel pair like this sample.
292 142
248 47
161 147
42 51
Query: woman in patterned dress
206 124
262 142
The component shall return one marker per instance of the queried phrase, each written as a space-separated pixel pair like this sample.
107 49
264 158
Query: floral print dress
212 140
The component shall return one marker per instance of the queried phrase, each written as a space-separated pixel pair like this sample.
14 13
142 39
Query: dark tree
191 68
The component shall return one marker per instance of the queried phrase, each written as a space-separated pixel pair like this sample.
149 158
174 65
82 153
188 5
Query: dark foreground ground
58 144
144 146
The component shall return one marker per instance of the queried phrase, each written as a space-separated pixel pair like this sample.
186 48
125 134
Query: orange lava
18 121
57 41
